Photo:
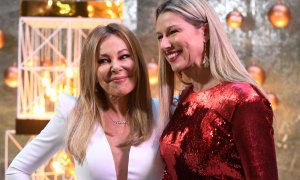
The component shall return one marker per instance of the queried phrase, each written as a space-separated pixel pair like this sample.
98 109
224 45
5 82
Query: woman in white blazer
111 129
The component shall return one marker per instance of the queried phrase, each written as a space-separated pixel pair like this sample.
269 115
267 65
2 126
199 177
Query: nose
165 43
115 66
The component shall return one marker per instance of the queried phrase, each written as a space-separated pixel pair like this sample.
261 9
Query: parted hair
92 100
224 62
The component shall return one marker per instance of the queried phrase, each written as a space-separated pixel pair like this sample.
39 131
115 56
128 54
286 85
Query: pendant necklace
119 122
116 121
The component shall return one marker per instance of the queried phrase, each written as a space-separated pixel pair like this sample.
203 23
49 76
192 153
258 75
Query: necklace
119 122
115 120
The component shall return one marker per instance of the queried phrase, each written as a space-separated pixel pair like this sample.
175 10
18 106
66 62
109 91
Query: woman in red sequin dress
222 125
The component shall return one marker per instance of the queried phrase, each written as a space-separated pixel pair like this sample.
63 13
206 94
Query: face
115 71
181 43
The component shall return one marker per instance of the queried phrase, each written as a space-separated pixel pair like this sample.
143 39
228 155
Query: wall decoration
11 76
234 19
279 15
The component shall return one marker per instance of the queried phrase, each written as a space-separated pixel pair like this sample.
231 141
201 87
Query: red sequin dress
222 133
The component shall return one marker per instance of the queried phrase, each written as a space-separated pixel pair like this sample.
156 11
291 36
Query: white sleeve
44 146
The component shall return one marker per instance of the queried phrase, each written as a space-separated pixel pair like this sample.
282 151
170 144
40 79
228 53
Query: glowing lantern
1 39
11 76
62 162
273 100
61 62
47 63
234 19
257 73
153 72
279 15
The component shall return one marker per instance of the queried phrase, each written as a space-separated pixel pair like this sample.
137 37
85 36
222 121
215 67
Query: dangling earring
205 62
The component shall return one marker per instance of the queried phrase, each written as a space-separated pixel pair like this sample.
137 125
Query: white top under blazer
144 160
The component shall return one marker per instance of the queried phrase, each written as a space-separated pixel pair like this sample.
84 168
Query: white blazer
144 160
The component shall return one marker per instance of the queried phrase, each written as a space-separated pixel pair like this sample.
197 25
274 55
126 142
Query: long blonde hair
224 62
91 101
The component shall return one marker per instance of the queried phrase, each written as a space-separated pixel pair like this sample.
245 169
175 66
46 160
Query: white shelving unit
49 53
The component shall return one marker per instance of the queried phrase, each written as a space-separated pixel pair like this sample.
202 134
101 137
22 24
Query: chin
176 69
123 93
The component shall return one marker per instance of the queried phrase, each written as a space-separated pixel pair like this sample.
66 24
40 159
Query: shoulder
242 91
65 104
230 95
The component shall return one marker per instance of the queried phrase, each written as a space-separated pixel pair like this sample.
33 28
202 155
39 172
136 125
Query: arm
42 148
253 135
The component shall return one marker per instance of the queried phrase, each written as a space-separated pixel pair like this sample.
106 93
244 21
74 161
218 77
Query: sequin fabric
221 133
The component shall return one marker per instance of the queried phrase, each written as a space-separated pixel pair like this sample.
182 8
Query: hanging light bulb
1 39
257 73
273 100
279 15
234 19
11 76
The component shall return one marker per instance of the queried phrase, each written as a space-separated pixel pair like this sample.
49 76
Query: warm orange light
69 73
234 19
60 62
47 63
107 9
62 162
66 8
50 91
257 73
11 76
39 109
279 15
108 4
46 79
49 4
67 90
273 100
153 72
1 39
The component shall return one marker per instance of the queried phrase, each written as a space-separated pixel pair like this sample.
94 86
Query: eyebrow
119 52
122 50
168 28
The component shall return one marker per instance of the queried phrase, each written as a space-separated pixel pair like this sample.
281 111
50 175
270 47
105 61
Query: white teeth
172 55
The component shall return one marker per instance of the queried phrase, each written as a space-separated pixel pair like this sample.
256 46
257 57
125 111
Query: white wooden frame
42 173
51 39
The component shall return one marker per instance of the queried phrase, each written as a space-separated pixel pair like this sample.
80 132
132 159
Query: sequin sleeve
253 134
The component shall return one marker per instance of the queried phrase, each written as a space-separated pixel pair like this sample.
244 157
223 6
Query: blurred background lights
279 15
234 19
11 76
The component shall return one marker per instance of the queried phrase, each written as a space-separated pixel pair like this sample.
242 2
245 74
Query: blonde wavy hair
224 62
86 114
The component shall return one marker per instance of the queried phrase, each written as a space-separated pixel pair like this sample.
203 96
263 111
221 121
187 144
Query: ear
206 32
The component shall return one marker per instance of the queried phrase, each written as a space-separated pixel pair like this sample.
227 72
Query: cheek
133 82
102 72
101 76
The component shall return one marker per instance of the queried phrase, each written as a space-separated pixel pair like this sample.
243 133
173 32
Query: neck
119 105
116 112
201 78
